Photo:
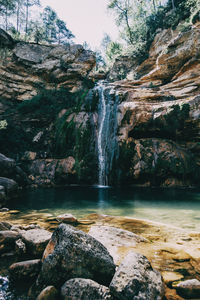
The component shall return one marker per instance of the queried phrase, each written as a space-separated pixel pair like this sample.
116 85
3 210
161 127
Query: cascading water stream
107 131
101 152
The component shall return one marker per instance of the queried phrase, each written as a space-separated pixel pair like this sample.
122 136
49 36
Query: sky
87 19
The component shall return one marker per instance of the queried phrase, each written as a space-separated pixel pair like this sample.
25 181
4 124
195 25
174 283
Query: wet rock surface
167 248
67 218
9 185
115 238
79 288
70 245
136 279
189 289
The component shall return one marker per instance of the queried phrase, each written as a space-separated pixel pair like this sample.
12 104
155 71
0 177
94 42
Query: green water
178 207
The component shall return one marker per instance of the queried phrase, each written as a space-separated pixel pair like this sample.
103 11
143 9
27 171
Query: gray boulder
9 169
135 279
30 53
9 185
72 253
6 165
36 240
84 289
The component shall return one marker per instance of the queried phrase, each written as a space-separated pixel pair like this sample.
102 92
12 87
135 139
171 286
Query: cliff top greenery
43 26
139 21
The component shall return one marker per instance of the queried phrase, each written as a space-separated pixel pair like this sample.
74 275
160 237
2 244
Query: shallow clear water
178 207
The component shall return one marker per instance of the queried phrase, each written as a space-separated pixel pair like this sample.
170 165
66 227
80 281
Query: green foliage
3 124
46 27
73 139
41 112
196 16
174 121
113 50
126 154
48 102
138 21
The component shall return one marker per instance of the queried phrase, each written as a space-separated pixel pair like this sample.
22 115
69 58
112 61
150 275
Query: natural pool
178 207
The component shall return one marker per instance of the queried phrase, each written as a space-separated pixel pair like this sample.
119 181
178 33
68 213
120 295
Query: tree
114 49
123 10
28 4
49 17
63 33
19 14
55 29
7 7
105 42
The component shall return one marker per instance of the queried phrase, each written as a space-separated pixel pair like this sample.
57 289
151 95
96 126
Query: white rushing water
107 131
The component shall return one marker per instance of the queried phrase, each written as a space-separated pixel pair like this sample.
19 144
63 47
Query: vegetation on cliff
139 21
42 27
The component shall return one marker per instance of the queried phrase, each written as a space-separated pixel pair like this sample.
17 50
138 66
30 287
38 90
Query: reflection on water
175 207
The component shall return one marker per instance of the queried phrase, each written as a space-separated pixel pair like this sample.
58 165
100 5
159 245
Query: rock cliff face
27 68
158 117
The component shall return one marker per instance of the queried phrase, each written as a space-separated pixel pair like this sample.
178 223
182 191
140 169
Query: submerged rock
67 218
5 226
118 241
84 289
136 279
189 289
72 253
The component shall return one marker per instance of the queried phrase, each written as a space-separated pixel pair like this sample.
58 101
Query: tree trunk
26 29
154 5
173 5
6 18
128 27
18 7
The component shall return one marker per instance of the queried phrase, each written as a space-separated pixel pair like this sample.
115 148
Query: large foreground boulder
135 279
72 253
84 289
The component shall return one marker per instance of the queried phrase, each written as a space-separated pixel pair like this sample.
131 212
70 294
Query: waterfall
107 131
